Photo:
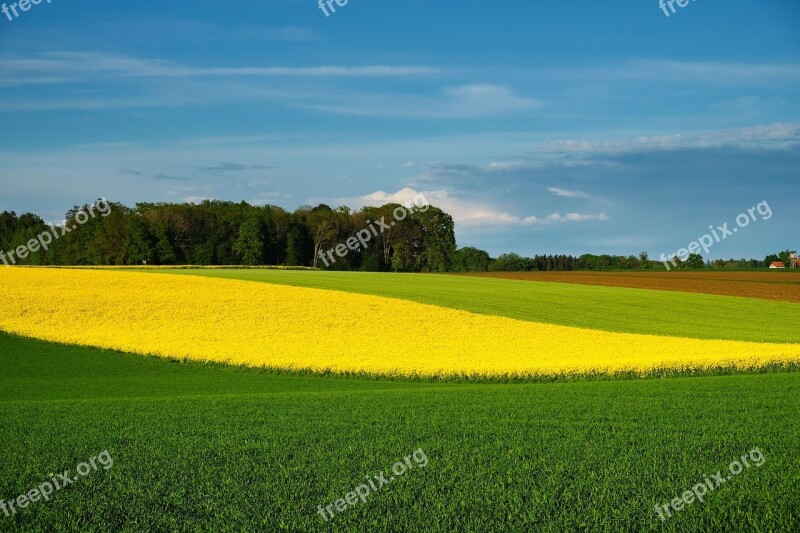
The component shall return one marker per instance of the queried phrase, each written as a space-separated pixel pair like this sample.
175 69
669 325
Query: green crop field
607 308
215 448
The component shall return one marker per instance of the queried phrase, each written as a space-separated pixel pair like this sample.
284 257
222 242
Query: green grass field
606 308
214 448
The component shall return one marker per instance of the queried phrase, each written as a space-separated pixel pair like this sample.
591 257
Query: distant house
777 264
793 259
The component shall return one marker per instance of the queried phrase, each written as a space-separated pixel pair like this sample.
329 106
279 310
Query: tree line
542 263
230 233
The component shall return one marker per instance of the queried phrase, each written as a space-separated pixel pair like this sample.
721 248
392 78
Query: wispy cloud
705 72
268 197
463 101
292 34
715 72
35 80
775 136
82 63
205 31
232 167
567 193
165 177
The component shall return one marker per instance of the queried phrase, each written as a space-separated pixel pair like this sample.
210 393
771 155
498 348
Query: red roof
778 264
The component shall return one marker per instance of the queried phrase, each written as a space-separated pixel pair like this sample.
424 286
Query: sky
542 127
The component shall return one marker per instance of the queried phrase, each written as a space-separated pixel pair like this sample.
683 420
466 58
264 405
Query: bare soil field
780 286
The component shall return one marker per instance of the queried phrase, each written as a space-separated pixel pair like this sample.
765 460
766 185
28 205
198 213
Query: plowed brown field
781 286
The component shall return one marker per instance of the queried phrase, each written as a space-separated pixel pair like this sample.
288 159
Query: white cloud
567 193
569 217
467 213
489 99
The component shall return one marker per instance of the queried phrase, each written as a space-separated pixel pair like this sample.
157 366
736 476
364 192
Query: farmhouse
777 264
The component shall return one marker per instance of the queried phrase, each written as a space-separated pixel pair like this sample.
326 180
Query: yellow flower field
258 324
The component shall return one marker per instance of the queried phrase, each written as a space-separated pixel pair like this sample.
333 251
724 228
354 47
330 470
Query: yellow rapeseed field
258 324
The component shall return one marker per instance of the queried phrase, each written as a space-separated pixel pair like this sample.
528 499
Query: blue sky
543 127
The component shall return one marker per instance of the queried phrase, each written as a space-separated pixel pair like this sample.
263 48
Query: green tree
695 261
139 243
470 259
438 244
298 247
165 253
770 259
111 233
249 246
510 263
402 259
